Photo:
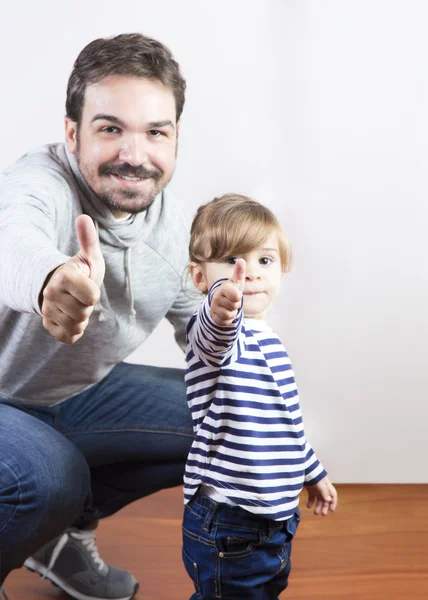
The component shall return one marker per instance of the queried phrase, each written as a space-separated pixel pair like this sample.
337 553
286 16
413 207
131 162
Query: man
92 253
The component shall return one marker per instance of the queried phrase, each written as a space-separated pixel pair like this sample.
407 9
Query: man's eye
265 260
155 132
232 260
110 129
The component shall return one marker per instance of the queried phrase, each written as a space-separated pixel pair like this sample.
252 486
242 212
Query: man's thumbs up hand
73 289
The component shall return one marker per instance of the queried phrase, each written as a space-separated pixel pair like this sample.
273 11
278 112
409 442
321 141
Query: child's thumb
238 275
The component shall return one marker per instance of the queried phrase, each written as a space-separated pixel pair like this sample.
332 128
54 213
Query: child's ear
198 277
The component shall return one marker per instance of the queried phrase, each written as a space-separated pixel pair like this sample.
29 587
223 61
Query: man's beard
111 199
146 199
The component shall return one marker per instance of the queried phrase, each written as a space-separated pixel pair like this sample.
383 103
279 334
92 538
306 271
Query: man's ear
70 135
176 139
197 274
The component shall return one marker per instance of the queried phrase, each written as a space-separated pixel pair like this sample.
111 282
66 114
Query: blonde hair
233 225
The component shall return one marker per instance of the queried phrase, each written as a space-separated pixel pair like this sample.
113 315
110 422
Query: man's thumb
90 251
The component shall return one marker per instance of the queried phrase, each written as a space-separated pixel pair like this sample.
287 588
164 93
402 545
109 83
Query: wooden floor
374 548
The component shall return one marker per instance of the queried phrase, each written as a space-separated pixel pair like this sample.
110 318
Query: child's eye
231 260
265 260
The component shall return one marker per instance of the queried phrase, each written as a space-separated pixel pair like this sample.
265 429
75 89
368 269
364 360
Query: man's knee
62 483
42 474
42 491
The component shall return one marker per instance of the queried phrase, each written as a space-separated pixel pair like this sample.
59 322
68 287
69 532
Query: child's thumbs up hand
227 298
238 275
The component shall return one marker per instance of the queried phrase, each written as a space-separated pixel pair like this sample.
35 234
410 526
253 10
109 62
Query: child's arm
215 331
319 486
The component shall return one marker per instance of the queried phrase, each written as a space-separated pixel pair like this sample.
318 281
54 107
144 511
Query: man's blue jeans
122 439
230 553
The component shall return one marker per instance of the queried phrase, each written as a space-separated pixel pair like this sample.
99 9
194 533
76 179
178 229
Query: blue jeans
84 459
230 553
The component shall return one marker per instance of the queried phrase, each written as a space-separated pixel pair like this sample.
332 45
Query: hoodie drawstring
133 312
103 313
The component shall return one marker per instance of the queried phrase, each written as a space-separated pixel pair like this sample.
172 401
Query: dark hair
233 225
131 54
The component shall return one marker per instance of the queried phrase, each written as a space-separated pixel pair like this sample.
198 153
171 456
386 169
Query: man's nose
134 151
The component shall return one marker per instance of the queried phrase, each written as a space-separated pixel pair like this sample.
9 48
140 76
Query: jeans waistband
211 510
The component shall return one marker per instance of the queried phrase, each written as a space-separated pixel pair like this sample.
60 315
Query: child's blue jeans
230 553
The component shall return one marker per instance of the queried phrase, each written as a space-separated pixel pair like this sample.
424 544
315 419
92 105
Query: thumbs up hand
227 298
90 251
238 275
73 289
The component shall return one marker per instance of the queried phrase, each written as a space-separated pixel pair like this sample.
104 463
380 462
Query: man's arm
185 305
34 275
28 240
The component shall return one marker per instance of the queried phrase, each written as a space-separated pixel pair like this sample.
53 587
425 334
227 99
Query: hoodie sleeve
28 251
180 312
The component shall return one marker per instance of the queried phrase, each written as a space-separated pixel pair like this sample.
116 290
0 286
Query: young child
250 458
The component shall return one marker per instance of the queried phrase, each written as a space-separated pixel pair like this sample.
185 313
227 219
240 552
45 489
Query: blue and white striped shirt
249 442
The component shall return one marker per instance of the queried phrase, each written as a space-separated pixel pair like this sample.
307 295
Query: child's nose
251 274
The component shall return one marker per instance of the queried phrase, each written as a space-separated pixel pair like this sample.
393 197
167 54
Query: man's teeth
130 178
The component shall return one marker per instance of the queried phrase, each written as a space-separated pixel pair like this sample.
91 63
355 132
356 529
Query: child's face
262 276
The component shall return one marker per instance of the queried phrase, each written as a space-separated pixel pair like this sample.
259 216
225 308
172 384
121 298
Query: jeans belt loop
210 515
273 527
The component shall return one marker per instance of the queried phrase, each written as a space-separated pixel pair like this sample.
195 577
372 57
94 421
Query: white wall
355 138
317 109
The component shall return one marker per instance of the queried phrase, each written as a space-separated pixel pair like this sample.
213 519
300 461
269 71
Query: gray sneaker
71 562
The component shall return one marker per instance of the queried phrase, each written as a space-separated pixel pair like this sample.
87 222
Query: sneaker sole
35 567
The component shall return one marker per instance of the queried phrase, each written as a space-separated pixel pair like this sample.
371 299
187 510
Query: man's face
126 142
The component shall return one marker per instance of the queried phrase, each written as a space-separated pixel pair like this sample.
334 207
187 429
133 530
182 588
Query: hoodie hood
119 233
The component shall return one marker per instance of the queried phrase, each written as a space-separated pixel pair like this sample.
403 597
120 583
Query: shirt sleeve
215 345
314 471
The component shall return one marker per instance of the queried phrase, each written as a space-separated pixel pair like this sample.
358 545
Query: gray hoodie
146 256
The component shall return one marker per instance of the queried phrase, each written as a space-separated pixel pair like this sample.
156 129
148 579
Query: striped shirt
249 445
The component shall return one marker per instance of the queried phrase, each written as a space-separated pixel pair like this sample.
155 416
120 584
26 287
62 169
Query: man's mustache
126 170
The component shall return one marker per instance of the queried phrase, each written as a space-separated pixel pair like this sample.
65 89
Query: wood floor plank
374 548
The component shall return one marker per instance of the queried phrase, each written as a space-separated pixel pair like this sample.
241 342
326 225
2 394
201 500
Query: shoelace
3 594
87 538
